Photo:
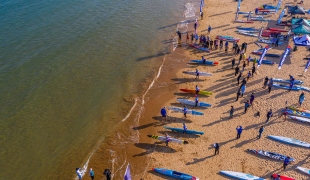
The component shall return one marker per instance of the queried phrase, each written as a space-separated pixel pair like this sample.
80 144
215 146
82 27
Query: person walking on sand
260 131
239 131
201 15
209 29
301 98
237 69
92 173
231 112
197 74
265 82
270 84
233 61
284 113
167 139
107 174
78 173
163 113
249 75
238 94
185 111
243 87
246 106
184 128
243 56
243 81
243 66
286 162
252 99
187 37
216 148
269 115
238 78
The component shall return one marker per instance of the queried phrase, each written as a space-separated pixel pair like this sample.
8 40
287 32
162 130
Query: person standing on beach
192 37
195 25
211 44
107 174
244 57
284 113
187 37
78 173
301 98
216 148
291 86
231 112
260 131
226 47
246 106
163 113
185 111
201 15
209 29
286 162
243 81
197 74
269 115
253 71
242 46
249 75
203 60
238 94
239 131
245 46
179 34
233 61
252 99
237 69
92 173
265 82
243 66
197 89
196 100
184 128
221 45
167 139
243 87
238 78
270 85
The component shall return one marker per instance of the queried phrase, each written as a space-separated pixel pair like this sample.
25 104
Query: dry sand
196 158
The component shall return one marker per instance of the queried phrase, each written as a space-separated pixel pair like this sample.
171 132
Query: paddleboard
304 170
248 34
193 91
304 88
263 61
175 174
207 62
189 111
240 12
227 38
287 81
259 19
163 138
247 28
192 103
298 113
301 119
199 47
277 29
243 21
240 175
268 41
182 130
247 31
200 73
299 109
271 155
281 177
267 54
290 141
282 86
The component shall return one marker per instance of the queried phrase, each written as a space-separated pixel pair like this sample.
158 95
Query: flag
262 56
279 4
307 65
127 175
281 16
287 50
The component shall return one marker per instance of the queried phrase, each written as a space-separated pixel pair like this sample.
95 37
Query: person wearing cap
163 113
92 173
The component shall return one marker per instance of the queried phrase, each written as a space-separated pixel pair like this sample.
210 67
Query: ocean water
70 71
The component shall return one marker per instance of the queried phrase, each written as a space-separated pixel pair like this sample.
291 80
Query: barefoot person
163 113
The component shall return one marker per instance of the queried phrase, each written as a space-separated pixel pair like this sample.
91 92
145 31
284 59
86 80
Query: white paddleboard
290 141
240 175
301 119
304 170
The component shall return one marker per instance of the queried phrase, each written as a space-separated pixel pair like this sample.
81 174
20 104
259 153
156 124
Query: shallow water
69 72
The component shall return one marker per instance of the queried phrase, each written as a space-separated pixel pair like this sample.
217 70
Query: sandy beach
197 158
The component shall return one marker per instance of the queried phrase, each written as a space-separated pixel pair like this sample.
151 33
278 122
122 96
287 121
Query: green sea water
69 71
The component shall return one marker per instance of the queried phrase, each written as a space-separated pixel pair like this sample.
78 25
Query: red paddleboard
282 177
277 29
243 21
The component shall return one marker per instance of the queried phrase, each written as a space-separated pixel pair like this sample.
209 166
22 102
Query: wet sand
196 158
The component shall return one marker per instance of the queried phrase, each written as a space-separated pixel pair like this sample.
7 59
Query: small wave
132 108
83 169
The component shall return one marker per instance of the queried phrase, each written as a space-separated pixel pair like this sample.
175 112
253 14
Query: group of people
106 172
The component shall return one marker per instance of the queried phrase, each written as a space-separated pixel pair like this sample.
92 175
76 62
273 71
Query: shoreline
185 157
